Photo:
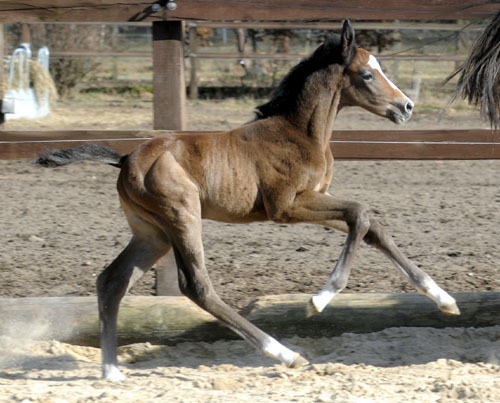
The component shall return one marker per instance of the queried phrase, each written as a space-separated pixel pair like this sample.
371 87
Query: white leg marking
321 299
444 301
112 373
274 349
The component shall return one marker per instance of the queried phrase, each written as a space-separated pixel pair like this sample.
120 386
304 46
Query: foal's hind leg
195 283
139 256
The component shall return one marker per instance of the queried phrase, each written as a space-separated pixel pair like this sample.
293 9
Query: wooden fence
194 55
168 72
243 10
346 144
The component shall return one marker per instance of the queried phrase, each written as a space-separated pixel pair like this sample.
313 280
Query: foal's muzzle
401 112
409 106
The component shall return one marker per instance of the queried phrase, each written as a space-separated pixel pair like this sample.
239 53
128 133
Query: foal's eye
367 76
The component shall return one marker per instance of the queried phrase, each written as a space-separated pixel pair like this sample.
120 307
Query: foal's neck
318 104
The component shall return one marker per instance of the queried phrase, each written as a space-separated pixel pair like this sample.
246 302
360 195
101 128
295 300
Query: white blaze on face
375 65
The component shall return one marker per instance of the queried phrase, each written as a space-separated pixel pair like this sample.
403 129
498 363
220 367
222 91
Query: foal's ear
347 42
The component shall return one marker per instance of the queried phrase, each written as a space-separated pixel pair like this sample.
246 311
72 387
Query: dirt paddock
61 227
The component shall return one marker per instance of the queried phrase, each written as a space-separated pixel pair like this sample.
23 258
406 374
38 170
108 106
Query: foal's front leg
378 237
424 284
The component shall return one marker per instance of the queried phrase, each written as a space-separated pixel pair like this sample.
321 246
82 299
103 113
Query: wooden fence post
25 34
169 99
3 83
193 48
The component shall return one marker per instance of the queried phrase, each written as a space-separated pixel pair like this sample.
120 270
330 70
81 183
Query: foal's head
366 85
356 74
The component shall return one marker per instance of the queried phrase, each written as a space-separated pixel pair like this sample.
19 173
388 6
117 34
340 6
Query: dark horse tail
51 158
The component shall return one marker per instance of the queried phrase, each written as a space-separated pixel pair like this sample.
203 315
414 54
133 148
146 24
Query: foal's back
230 173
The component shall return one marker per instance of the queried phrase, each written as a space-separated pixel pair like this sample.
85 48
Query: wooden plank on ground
346 144
243 10
172 320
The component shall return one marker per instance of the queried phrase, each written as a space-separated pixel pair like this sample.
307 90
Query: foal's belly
233 209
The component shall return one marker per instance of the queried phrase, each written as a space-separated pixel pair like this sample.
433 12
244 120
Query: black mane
285 95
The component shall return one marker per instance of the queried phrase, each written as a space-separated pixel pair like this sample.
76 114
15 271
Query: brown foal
277 167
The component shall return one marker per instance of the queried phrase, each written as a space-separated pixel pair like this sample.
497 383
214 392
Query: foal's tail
51 158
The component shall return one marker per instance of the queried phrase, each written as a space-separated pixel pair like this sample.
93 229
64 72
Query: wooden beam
26 136
169 112
440 135
25 144
346 144
337 25
95 53
295 56
243 10
416 144
167 281
25 33
172 320
328 25
78 54
3 83
169 103
193 48
10 150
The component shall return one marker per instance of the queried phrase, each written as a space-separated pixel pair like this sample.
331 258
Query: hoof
298 361
113 374
311 308
450 308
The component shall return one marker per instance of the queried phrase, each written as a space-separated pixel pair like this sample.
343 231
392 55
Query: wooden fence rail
337 25
346 144
294 56
78 54
244 10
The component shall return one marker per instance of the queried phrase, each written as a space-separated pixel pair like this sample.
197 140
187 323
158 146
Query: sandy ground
396 365
61 227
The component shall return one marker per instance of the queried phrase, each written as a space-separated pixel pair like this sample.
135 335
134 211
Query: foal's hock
277 167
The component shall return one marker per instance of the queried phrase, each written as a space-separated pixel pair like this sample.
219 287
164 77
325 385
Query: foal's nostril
409 106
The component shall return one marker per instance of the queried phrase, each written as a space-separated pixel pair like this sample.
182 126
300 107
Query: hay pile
38 78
